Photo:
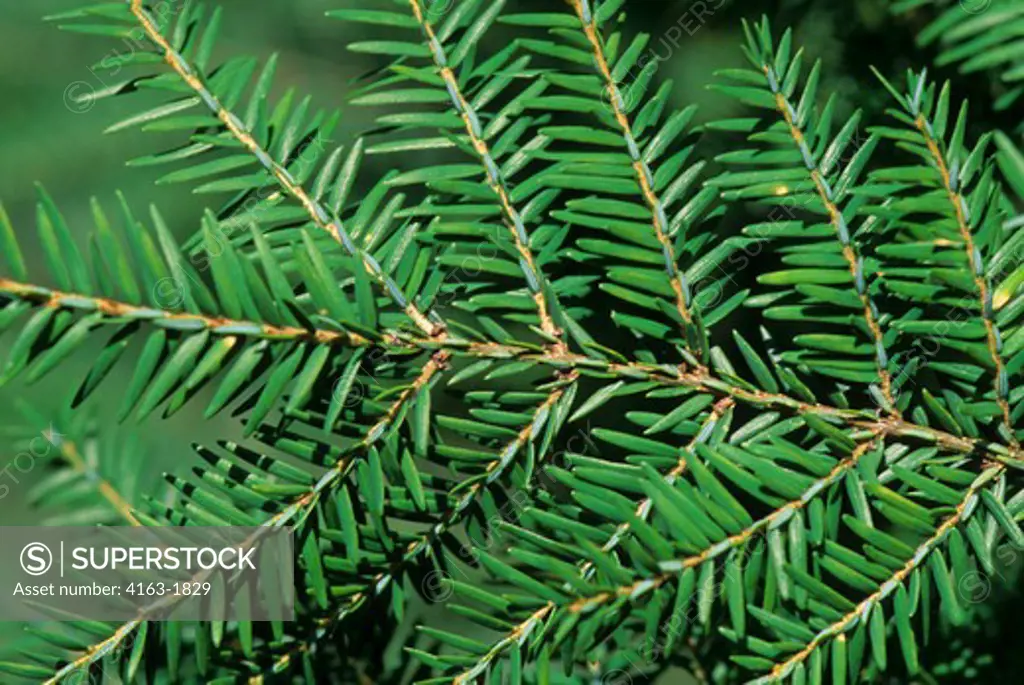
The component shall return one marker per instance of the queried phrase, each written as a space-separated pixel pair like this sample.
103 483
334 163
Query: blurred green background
47 138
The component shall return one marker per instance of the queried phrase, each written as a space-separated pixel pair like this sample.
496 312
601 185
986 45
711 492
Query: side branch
670 569
837 629
510 215
643 510
305 503
646 506
298 509
95 652
1000 382
514 637
188 74
849 248
495 470
380 582
644 175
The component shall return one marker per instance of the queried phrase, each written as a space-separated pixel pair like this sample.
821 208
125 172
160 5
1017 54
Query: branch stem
69 450
170 319
448 347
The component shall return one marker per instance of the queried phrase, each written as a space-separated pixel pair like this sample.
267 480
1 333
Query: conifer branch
515 637
849 246
704 381
887 426
297 510
394 342
452 517
670 568
670 519
337 474
643 511
318 215
958 203
495 470
495 179
644 174
858 613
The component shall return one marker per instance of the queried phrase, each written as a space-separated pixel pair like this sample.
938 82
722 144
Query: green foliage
978 36
519 391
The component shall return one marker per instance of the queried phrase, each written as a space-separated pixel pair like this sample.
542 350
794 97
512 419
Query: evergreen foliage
510 393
